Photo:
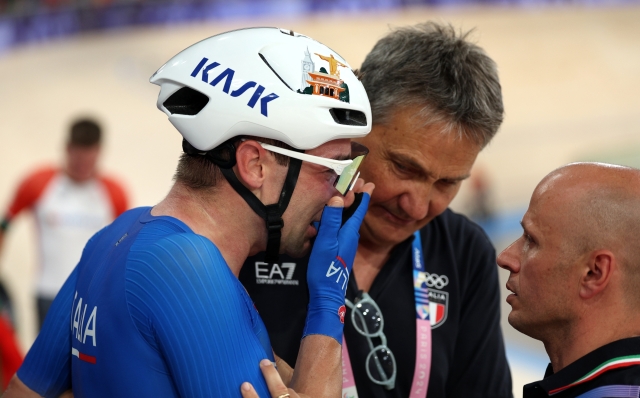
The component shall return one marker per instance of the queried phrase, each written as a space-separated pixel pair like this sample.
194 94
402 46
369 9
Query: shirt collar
619 354
399 258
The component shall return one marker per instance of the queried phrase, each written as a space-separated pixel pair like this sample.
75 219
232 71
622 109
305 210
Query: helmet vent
186 101
348 117
274 72
289 32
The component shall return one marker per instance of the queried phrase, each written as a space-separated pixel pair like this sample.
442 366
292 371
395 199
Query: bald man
575 278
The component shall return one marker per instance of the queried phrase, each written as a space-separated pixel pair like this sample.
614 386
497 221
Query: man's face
82 161
417 171
544 278
313 190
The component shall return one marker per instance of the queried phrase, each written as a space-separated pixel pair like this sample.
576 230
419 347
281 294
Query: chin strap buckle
275 225
273 218
272 214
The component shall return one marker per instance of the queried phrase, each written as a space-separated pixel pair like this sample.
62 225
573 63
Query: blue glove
329 267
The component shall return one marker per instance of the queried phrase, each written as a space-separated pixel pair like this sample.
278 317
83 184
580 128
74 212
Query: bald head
599 205
594 176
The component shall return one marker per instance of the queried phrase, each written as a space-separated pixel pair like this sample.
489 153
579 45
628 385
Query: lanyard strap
423 324
423 333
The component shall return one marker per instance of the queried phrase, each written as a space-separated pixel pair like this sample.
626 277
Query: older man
436 102
575 273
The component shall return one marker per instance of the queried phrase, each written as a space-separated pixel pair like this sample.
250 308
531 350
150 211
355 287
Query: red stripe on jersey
87 358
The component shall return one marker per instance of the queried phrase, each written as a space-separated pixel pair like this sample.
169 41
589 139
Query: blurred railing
24 21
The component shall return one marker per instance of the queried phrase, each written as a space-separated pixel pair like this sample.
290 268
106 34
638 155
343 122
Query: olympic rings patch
432 280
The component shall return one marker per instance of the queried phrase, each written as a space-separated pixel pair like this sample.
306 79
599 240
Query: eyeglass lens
381 364
345 180
368 320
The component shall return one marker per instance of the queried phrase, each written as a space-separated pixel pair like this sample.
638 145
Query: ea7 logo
275 274
340 270
227 76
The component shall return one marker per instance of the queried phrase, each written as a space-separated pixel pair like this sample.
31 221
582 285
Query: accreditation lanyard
423 333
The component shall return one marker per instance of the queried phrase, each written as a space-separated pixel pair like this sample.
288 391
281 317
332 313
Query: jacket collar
619 354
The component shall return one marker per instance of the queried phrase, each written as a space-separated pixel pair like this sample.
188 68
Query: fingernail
245 386
335 202
265 362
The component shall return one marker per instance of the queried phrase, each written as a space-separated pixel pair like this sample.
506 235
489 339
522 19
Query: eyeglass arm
336 165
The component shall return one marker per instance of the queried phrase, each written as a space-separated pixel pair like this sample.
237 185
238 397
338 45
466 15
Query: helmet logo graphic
227 75
326 84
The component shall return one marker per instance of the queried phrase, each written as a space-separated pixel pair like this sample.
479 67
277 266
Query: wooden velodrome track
570 78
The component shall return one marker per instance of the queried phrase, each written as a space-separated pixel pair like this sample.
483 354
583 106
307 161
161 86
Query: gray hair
428 65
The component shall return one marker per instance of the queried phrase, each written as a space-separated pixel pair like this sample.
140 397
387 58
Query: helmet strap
272 214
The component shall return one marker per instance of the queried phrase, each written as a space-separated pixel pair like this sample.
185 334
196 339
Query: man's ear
250 164
600 266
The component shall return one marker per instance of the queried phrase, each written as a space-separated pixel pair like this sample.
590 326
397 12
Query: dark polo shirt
468 349
611 371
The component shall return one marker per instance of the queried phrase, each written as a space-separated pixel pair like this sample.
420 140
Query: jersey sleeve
29 191
481 365
47 367
187 304
117 195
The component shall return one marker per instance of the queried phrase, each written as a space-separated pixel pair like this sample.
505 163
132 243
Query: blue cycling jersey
155 312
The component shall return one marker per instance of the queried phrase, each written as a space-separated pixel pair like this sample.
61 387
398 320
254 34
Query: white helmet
264 82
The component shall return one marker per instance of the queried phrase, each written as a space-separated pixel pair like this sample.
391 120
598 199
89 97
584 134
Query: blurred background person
480 206
70 203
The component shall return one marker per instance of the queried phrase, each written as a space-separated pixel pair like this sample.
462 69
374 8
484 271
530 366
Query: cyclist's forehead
336 149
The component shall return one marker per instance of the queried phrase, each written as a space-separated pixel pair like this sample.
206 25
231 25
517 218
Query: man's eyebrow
407 160
415 165
456 179
525 229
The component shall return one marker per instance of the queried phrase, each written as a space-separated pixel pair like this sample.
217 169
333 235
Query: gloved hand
329 267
